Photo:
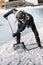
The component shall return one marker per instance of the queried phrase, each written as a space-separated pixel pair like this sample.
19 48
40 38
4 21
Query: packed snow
32 56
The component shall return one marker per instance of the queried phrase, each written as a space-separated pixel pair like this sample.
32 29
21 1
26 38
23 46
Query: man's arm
20 29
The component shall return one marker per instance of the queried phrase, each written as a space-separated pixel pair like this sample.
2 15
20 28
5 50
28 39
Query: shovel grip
10 12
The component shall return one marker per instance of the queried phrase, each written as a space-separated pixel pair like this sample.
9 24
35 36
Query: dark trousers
33 27
18 38
37 38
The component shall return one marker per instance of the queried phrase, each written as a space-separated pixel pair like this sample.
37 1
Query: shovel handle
10 12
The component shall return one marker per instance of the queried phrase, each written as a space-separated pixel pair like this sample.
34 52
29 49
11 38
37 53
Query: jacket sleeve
20 28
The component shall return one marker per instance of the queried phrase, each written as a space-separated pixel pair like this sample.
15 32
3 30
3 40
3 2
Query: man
25 20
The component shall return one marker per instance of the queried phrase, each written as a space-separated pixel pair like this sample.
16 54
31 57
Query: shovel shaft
10 26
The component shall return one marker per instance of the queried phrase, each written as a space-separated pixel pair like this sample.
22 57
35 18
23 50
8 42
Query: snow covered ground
9 56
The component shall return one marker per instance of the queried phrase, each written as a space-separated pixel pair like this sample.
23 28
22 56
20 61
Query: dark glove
5 17
14 34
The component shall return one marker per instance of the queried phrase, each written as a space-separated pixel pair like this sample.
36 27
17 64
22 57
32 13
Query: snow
35 2
34 56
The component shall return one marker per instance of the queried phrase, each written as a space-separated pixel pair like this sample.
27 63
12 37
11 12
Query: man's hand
5 17
14 34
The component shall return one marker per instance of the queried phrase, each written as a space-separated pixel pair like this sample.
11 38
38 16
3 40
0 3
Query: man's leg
37 38
18 38
33 27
